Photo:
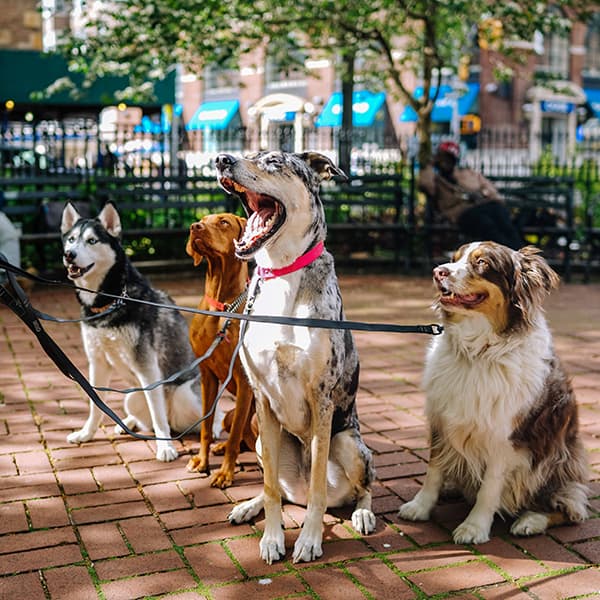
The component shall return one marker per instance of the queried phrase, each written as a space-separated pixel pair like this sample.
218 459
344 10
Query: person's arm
488 190
426 181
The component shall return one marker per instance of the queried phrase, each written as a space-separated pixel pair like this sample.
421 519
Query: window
218 80
554 62
591 66
285 64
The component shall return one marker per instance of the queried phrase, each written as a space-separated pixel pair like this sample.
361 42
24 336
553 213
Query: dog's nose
70 256
224 160
197 226
441 273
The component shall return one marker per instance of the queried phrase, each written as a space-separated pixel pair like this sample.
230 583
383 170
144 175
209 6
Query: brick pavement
106 520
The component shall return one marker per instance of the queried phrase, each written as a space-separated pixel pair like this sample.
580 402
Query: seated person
9 240
468 199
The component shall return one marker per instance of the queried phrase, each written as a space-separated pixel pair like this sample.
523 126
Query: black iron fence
81 144
376 218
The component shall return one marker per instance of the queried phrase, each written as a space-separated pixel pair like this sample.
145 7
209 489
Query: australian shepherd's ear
533 280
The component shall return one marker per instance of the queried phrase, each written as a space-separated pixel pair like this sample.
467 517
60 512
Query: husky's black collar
111 306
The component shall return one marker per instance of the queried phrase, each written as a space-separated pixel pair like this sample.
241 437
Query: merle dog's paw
363 521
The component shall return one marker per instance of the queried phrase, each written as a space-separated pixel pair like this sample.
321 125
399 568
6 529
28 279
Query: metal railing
378 216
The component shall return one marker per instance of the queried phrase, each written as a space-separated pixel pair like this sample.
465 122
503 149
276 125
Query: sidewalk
106 520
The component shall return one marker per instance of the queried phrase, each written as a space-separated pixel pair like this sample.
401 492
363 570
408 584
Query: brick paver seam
522 582
452 594
86 561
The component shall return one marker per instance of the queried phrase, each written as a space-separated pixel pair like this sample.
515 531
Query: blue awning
213 115
365 106
147 125
442 110
593 98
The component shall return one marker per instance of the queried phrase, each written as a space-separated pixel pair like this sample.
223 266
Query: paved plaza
106 520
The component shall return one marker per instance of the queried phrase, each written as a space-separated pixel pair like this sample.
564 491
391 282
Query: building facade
551 95
263 105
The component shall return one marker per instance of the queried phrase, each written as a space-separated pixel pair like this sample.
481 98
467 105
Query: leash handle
19 303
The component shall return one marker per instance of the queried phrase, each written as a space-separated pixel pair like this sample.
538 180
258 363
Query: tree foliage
391 37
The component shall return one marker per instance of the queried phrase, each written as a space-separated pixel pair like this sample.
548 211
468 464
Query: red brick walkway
106 520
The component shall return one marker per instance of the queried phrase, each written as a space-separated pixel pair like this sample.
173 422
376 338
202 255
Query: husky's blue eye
92 241
71 239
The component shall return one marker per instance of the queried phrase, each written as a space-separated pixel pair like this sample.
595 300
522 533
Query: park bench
369 218
542 209
30 203
591 236
26 196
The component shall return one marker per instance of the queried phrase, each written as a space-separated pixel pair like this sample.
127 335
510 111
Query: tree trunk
424 135
345 134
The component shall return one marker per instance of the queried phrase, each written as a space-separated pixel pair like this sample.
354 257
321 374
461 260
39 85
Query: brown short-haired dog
226 277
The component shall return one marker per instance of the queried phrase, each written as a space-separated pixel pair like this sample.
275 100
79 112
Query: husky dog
304 379
141 343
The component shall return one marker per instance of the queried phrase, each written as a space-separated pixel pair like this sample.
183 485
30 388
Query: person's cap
451 148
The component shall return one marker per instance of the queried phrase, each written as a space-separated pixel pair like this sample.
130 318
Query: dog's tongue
458 299
74 271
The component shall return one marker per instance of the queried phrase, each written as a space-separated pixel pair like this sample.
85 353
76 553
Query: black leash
19 303
219 337
431 329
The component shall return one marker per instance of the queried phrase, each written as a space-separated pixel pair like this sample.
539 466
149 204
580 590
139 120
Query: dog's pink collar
301 262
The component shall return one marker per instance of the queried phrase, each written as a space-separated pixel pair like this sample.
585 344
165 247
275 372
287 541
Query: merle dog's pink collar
302 261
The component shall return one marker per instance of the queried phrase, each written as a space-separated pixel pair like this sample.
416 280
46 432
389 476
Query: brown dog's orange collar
100 309
214 303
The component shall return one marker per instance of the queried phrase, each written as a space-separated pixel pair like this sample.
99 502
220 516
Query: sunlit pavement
106 520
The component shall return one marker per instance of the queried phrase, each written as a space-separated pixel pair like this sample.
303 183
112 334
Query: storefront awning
365 106
442 110
593 99
148 125
214 115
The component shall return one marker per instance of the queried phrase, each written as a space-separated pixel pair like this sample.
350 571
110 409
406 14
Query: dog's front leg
99 375
165 449
420 507
475 529
224 476
308 545
210 386
272 543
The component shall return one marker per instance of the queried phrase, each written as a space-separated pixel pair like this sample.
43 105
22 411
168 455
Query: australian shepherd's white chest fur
502 413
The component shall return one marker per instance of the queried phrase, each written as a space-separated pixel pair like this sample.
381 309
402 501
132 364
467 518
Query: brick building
260 105
552 93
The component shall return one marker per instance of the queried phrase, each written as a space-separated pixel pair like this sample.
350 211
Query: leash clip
436 329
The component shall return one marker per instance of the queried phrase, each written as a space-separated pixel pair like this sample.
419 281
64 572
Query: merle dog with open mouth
305 379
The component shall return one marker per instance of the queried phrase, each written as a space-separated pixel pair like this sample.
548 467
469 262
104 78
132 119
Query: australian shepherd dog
502 412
